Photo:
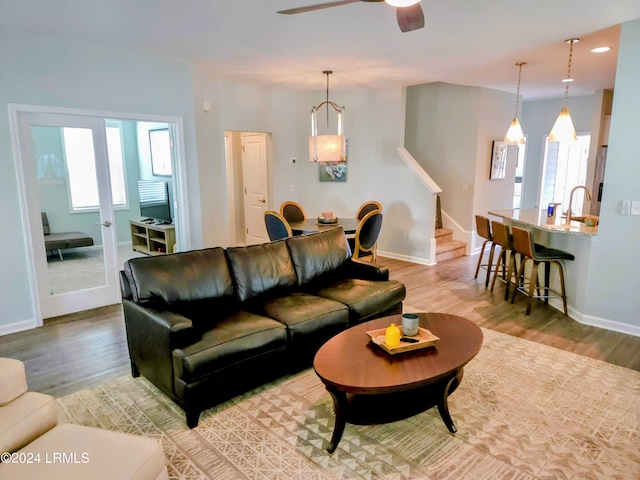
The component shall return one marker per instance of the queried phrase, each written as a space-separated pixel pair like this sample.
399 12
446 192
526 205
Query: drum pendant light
327 148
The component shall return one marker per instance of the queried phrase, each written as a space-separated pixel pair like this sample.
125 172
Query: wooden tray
425 337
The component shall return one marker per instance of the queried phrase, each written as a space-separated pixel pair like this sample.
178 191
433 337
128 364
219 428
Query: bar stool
483 229
523 244
502 237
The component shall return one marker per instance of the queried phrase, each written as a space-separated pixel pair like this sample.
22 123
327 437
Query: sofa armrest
152 335
365 270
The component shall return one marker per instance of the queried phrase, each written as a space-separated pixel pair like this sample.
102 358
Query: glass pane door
66 173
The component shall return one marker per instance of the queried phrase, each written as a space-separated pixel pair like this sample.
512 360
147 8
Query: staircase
446 247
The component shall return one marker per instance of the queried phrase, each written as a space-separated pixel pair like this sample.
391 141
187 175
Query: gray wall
45 71
615 266
450 130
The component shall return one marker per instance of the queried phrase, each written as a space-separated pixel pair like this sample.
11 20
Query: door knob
263 201
104 224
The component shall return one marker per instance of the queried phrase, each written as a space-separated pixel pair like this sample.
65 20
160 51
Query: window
81 164
565 167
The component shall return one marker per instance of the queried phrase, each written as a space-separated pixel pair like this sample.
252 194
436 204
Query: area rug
523 411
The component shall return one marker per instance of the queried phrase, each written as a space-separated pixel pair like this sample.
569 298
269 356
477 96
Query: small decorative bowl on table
327 221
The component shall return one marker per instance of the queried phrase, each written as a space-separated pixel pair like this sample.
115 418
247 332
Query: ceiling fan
409 17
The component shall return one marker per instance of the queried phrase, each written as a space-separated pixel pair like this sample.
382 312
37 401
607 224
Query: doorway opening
249 185
81 171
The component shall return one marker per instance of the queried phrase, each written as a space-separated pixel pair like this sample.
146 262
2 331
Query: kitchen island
575 238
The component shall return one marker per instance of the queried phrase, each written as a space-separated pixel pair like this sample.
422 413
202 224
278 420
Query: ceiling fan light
563 130
402 3
514 135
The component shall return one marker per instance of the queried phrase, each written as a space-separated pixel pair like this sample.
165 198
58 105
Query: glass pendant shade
514 135
563 130
327 148
402 3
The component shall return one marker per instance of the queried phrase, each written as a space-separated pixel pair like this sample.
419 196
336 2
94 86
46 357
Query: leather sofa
208 324
34 446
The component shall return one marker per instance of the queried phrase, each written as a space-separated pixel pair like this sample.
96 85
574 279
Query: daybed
63 240
207 324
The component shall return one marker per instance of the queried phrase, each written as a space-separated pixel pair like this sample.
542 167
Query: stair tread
449 245
441 232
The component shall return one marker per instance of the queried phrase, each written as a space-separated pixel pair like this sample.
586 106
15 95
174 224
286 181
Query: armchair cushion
98 454
25 419
13 381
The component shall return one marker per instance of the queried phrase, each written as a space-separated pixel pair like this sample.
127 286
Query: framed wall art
160 152
498 161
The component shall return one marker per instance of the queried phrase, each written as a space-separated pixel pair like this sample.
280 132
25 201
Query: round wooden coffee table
370 386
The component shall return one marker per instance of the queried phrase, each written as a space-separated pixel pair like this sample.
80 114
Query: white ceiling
470 42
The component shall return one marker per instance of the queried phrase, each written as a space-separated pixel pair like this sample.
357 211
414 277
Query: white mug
410 323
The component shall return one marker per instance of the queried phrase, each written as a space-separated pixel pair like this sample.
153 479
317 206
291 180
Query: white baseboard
594 321
17 327
406 258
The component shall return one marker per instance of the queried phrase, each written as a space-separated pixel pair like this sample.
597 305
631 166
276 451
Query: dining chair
367 207
277 226
292 212
367 235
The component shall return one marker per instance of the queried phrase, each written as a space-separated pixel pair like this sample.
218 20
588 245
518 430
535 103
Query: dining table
312 225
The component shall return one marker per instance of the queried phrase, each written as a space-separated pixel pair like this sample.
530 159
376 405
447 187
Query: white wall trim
18 326
417 169
460 233
407 258
610 325
594 321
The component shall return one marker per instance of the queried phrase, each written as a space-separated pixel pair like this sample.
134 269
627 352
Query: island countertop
538 219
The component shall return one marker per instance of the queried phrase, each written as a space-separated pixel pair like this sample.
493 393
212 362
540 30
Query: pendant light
402 3
563 130
514 135
327 148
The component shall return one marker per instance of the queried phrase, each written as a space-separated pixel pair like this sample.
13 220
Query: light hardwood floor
76 351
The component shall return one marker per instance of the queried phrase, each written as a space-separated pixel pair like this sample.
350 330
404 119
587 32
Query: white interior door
65 171
256 186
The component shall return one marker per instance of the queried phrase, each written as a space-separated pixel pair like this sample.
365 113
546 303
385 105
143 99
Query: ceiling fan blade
410 18
319 6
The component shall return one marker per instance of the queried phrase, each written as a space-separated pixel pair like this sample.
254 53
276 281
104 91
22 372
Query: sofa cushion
91 453
25 419
318 254
239 337
258 269
13 381
308 315
180 277
365 297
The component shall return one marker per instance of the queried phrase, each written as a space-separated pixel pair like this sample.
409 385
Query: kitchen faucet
571 200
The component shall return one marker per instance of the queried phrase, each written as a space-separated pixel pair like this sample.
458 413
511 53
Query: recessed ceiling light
600 49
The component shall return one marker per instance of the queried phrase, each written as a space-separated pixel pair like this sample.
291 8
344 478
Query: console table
152 239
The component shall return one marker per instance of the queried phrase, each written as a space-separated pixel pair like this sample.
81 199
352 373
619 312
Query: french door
65 169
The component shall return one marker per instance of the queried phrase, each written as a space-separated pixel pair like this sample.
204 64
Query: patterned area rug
523 411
